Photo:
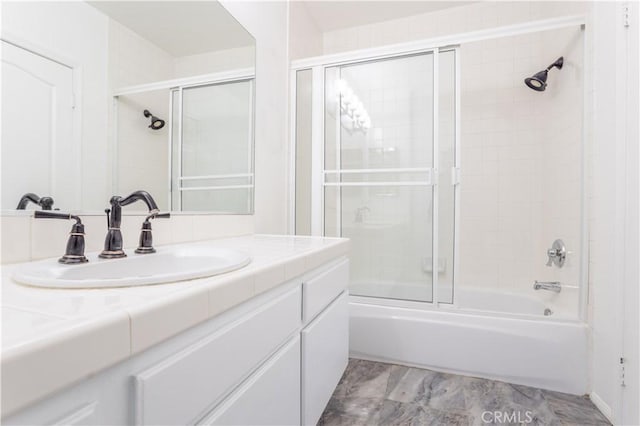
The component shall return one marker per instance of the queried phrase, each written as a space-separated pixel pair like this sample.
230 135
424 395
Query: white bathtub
527 302
543 352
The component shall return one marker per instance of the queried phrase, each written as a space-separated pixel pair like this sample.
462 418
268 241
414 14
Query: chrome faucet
557 254
113 240
554 286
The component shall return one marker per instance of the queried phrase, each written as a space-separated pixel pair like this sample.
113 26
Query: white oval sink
168 264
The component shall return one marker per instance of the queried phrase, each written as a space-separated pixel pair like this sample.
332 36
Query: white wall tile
16 239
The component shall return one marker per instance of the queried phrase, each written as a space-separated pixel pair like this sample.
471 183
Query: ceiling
334 15
180 28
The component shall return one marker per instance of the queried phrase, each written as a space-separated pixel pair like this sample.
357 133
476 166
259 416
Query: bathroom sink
168 264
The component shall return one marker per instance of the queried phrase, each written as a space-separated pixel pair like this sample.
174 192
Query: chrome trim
554 286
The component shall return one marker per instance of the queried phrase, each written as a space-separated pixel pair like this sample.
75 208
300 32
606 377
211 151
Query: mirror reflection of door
37 129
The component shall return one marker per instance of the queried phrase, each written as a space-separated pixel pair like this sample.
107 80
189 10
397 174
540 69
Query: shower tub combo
430 157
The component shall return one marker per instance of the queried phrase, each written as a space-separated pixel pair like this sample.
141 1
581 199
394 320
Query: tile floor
373 393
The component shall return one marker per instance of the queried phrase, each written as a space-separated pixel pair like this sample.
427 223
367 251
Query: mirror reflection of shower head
538 81
156 123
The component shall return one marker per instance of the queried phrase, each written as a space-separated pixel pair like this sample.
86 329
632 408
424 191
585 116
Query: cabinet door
190 383
325 354
269 397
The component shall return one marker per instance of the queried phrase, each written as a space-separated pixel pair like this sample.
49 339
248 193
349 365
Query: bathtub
541 351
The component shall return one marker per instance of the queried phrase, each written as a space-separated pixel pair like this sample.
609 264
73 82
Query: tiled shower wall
521 162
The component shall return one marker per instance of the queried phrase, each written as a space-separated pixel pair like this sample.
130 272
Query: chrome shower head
538 81
156 123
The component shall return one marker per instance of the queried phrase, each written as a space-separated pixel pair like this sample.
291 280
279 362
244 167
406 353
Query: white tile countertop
54 337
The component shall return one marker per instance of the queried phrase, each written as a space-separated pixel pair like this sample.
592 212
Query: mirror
105 98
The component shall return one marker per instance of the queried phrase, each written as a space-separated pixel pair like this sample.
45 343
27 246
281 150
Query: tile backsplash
25 238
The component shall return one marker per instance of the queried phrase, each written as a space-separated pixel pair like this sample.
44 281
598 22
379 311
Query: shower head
538 81
156 123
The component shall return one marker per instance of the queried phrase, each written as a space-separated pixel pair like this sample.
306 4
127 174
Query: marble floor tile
573 409
373 393
364 379
411 413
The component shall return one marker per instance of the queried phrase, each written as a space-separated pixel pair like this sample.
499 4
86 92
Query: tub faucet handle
557 254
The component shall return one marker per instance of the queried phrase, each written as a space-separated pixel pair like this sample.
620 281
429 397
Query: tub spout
554 286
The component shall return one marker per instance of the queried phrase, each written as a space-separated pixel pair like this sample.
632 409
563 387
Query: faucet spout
113 241
117 202
44 202
140 196
554 286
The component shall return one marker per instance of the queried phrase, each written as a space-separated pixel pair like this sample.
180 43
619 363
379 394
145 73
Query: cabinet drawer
60 414
325 354
189 383
270 397
321 290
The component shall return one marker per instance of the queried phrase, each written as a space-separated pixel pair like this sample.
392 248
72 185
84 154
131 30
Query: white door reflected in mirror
38 153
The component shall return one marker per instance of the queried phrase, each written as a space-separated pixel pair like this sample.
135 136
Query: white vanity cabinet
274 360
325 339
270 397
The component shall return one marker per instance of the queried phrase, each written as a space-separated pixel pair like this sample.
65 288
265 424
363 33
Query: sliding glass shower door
212 147
380 167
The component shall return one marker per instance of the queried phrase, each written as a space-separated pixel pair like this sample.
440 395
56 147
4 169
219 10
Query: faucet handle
551 254
75 244
557 254
145 244
107 211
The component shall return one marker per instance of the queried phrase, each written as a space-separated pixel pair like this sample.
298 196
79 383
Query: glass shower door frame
320 172
177 179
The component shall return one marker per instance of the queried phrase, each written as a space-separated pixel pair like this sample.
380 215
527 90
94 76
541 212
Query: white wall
306 39
613 274
221 60
267 22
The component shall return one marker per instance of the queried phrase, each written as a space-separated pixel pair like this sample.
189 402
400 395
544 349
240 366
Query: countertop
54 337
